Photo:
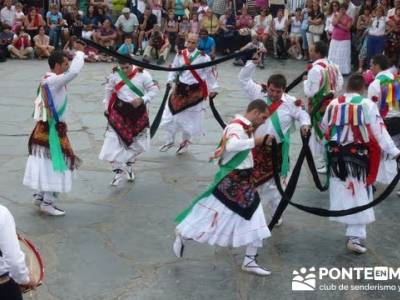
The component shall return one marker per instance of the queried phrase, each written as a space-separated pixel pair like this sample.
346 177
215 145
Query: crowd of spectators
150 29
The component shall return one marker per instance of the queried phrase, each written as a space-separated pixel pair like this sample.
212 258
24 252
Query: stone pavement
115 243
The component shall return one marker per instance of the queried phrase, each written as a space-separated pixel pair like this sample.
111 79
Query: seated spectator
90 17
33 21
127 48
295 34
194 24
146 24
262 26
171 29
201 11
99 3
68 4
19 19
77 26
211 23
88 31
227 24
7 13
244 23
101 16
279 31
127 24
6 39
69 48
254 44
21 45
158 46
42 44
184 26
206 43
54 22
105 35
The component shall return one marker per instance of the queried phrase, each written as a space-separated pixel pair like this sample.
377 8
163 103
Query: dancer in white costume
128 91
324 81
285 110
384 80
51 160
353 129
229 212
185 109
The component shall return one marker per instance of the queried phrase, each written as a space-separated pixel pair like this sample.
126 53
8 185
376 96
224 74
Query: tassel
57 156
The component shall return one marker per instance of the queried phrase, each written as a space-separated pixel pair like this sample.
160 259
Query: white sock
249 258
48 198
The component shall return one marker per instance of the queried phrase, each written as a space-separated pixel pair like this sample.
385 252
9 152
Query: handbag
316 29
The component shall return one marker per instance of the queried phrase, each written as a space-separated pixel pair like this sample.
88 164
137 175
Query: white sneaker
129 173
178 246
355 245
322 170
119 174
252 267
183 147
51 210
166 147
37 199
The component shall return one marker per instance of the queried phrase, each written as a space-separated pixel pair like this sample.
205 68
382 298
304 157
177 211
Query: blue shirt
125 49
206 45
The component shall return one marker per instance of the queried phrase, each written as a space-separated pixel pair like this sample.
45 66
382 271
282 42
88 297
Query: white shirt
374 91
128 25
378 26
391 12
353 11
57 83
186 77
238 140
279 25
12 260
380 133
7 16
288 112
142 80
314 78
265 24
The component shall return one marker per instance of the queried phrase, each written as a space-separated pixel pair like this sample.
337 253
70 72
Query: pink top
339 32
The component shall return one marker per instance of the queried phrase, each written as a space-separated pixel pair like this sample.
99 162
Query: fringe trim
73 162
344 167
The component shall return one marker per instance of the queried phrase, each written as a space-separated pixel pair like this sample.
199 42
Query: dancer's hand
305 130
137 102
212 94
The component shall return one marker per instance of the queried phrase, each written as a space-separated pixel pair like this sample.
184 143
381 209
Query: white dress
210 221
114 150
39 172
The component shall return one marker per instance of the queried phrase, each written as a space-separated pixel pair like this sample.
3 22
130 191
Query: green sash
223 171
129 83
285 139
316 99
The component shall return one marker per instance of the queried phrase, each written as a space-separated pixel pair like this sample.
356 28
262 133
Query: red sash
202 83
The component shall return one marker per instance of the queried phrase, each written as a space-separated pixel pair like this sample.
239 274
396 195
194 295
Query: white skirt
212 222
343 196
189 121
114 150
39 175
387 171
340 54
